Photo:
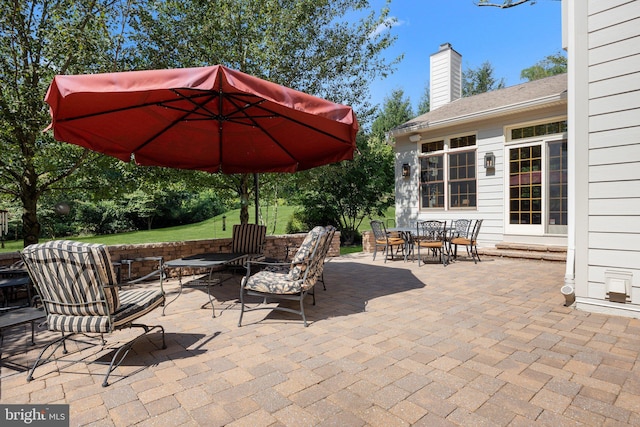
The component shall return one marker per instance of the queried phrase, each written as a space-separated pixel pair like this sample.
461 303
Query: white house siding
490 137
611 187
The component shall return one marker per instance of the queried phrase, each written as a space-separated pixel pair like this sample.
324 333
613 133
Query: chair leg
304 318
242 302
474 250
124 349
40 361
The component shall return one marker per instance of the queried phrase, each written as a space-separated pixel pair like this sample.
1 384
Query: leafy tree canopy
425 101
396 110
310 45
480 80
549 66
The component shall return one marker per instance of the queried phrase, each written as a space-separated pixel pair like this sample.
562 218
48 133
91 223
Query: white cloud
388 23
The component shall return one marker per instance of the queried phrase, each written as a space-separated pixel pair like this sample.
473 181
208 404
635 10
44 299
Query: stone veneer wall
367 241
276 248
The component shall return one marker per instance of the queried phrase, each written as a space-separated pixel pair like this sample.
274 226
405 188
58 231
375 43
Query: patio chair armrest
249 263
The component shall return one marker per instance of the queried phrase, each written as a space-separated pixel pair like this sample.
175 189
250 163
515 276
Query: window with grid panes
457 176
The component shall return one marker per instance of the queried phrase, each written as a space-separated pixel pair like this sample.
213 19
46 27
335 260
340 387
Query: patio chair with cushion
331 230
470 242
432 237
248 239
387 241
460 228
77 285
294 284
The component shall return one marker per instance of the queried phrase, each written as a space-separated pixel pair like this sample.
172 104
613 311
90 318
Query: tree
347 193
363 188
396 110
480 80
506 4
425 101
549 66
304 44
37 40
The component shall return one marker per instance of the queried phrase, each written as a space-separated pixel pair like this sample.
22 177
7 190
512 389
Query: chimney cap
445 46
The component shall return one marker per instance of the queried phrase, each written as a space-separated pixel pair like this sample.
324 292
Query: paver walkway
388 345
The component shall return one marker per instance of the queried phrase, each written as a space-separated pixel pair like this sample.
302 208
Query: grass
209 229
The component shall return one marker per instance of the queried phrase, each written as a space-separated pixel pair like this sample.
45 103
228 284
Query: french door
537 188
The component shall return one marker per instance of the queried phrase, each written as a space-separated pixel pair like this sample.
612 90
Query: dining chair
386 242
470 242
460 229
432 236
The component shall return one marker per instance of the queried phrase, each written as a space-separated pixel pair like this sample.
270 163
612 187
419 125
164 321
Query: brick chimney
445 76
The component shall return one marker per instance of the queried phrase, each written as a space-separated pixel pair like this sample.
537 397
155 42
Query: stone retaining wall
276 248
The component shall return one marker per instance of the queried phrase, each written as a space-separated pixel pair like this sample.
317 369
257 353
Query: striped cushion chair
294 283
78 288
248 239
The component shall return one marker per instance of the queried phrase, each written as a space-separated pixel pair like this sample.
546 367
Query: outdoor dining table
408 234
215 262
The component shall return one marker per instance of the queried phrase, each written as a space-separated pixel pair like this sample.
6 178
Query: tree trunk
244 199
29 196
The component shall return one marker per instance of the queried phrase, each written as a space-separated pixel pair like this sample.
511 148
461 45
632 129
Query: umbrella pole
255 189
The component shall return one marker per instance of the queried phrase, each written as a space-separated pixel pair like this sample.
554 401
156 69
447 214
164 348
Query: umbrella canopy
208 118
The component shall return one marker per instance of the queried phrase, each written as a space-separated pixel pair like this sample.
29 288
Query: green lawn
209 229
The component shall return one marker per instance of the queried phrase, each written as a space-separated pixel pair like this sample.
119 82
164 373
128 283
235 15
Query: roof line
505 109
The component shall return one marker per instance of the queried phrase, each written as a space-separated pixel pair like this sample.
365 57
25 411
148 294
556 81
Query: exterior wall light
406 170
489 161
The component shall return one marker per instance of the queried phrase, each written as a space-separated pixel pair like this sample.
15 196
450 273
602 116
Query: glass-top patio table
212 261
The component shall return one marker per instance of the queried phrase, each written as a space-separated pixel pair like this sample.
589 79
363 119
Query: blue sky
510 39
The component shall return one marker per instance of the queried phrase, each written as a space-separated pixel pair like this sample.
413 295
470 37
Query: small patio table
11 278
18 317
212 261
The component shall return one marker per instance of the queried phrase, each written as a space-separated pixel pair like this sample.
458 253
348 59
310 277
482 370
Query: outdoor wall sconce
489 161
406 170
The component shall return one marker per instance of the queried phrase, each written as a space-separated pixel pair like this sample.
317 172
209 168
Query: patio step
526 251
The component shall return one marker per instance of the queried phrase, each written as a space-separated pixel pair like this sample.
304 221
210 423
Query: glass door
557 187
525 190
537 188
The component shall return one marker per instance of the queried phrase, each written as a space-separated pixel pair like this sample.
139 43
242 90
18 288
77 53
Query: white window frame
445 152
543 141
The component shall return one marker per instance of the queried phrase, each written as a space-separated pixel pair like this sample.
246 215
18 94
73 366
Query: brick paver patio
389 344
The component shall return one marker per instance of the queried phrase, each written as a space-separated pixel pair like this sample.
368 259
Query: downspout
568 290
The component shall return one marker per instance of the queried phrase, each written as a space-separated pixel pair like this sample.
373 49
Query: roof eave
481 115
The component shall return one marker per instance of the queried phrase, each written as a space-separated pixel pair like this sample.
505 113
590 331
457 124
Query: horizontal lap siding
614 140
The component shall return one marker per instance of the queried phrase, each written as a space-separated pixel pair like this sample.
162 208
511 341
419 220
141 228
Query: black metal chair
386 241
470 242
432 236
460 228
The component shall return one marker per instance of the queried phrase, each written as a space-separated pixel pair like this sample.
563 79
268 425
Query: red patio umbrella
209 118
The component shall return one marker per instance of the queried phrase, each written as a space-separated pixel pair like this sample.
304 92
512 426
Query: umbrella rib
174 122
298 122
164 103
252 119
